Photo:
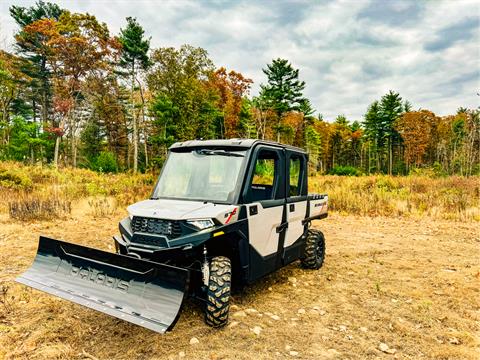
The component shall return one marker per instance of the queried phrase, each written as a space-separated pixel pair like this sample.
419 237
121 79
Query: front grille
150 240
170 228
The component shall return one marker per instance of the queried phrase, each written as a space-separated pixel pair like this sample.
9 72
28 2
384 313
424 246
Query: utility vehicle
222 213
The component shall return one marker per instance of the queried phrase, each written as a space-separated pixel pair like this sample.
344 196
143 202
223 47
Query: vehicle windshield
206 174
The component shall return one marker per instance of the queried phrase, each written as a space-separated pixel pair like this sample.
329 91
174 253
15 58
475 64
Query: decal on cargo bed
99 278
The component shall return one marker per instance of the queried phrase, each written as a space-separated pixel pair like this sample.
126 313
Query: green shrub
345 171
423 171
387 183
105 162
14 179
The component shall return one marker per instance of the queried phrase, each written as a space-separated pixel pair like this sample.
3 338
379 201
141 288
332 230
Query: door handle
292 207
282 227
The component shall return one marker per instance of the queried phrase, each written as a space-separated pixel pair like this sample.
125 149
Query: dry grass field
403 286
411 284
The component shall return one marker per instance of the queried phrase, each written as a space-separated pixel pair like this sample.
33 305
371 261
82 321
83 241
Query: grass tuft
102 207
37 209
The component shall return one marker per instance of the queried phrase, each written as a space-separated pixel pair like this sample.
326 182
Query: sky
349 53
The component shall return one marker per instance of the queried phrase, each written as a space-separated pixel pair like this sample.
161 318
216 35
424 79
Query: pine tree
380 128
134 58
31 48
374 134
283 91
391 108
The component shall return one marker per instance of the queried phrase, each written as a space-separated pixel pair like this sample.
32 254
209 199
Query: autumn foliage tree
416 129
232 87
74 46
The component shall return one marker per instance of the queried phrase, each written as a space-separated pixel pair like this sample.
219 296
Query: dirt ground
412 285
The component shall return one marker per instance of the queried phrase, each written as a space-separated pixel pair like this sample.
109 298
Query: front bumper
160 248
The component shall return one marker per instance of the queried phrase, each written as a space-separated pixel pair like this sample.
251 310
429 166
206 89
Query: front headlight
201 224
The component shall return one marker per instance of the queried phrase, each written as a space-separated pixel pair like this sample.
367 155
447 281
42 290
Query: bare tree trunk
44 94
333 157
471 147
34 113
361 157
144 125
74 150
128 153
44 106
145 147
390 156
5 114
134 120
57 149
369 160
34 110
278 127
57 145
73 124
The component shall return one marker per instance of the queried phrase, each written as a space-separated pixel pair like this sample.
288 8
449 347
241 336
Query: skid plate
142 292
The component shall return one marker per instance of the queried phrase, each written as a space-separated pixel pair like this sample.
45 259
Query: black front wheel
218 292
314 250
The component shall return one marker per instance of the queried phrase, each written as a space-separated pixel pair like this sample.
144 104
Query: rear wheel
314 250
218 292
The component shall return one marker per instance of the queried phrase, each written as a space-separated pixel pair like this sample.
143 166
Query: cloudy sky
349 52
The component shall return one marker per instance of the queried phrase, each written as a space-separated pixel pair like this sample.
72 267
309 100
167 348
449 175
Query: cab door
264 196
296 205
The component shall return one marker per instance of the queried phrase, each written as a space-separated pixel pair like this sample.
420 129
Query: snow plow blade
142 292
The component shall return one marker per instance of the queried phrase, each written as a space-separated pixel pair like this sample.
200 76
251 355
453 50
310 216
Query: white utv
223 213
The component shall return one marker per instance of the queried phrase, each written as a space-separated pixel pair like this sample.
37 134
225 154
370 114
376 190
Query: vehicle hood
180 209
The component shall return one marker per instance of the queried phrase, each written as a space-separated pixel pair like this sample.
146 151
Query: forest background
74 95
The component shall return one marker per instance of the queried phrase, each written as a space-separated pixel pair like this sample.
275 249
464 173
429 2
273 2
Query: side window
265 176
295 175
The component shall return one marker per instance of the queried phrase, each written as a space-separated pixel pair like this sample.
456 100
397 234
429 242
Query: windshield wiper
218 152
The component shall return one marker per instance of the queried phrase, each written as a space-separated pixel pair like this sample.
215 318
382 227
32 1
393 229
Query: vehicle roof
233 143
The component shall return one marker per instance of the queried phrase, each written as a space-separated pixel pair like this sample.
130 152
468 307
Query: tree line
73 94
